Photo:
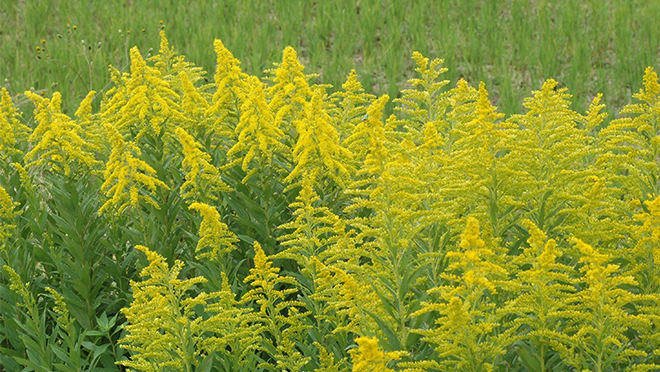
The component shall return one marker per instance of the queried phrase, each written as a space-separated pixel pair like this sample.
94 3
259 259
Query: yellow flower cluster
125 175
56 139
369 356
203 178
213 234
12 131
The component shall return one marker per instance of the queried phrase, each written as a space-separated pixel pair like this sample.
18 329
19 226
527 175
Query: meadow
590 47
324 193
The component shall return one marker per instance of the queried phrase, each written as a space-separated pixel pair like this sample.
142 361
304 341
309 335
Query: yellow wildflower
126 175
470 238
475 261
7 216
213 234
651 87
425 103
193 104
227 74
367 142
291 89
60 308
258 137
317 153
202 178
163 331
369 357
12 132
17 285
56 139
142 102
352 105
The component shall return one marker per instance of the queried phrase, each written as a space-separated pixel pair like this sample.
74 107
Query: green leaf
392 339
528 357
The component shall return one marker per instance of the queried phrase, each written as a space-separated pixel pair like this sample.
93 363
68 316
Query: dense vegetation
275 217
242 225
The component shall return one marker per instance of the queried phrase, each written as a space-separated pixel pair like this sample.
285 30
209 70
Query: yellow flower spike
289 92
475 262
231 89
26 181
213 234
424 103
12 131
590 255
654 207
227 73
7 206
227 66
126 176
202 178
430 72
352 84
193 104
258 137
163 329
367 142
263 272
594 117
92 131
56 139
143 101
537 237
369 356
314 230
471 237
547 259
651 87
602 316
352 105
487 113
289 76
60 308
317 153
17 285
282 318
457 315
7 217
84 111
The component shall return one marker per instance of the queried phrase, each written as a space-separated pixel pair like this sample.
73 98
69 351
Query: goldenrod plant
294 229
12 130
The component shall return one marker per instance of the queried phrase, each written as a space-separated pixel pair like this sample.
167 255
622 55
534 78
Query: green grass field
513 45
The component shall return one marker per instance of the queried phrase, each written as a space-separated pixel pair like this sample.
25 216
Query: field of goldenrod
177 223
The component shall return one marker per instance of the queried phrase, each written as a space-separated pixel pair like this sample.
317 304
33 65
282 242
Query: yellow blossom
290 90
126 176
651 87
202 178
470 238
163 331
317 153
213 234
12 131
56 139
258 136
142 102
7 216
369 356
227 74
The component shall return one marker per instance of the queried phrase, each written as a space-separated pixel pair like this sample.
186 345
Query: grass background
513 45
